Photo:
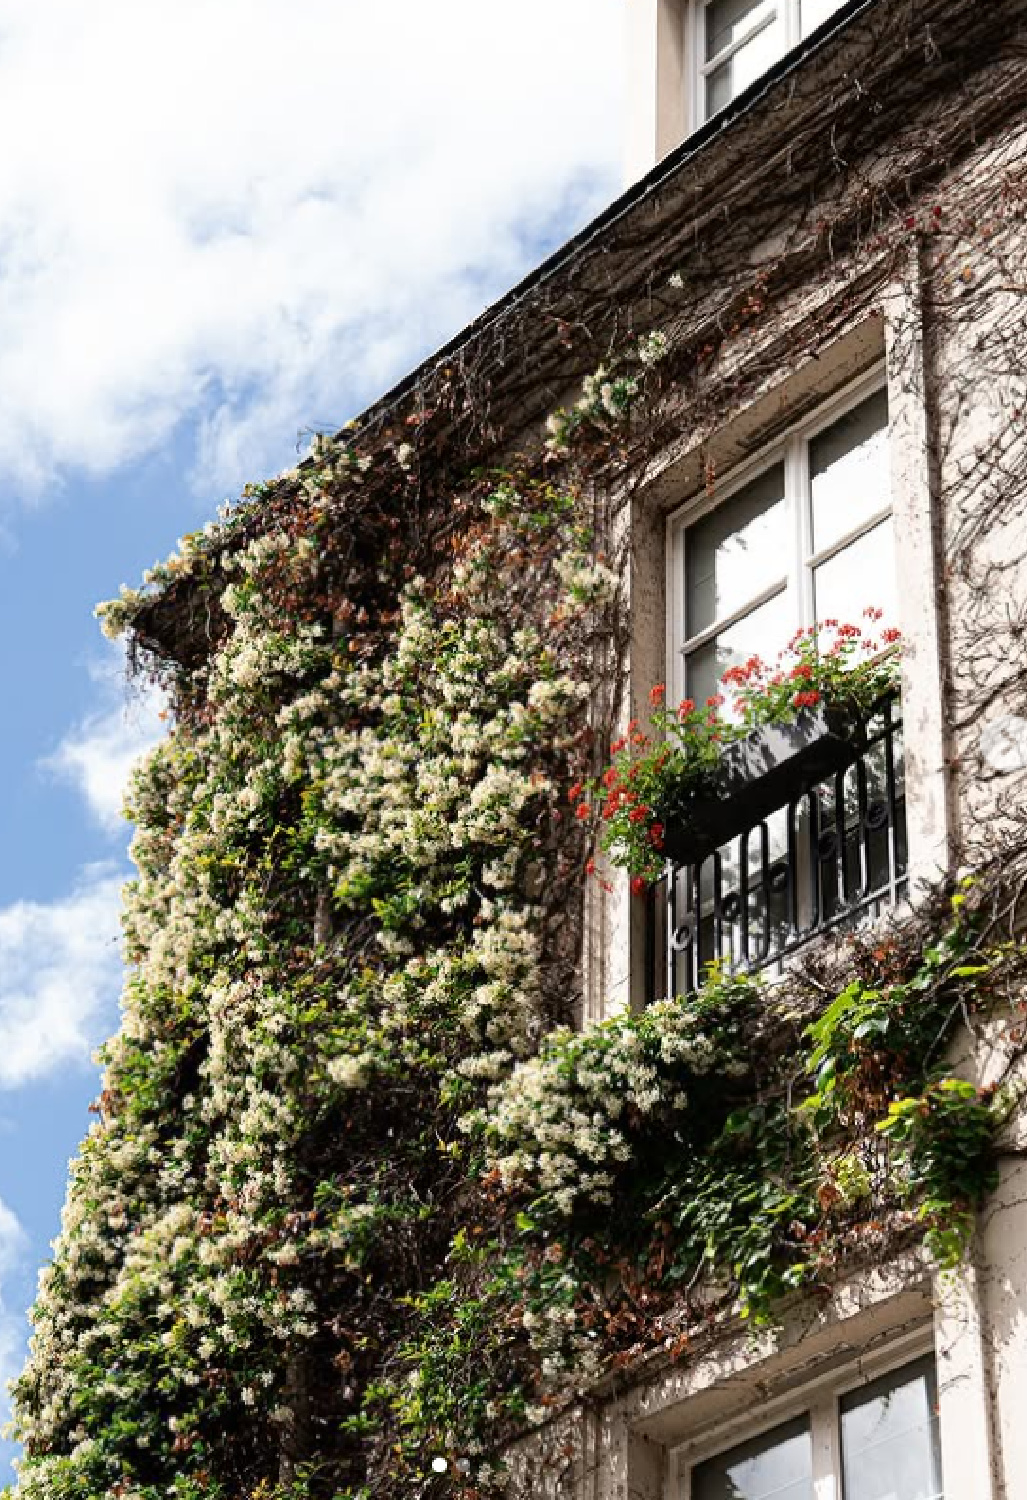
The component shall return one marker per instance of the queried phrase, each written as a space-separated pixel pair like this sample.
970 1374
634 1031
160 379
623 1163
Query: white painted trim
923 707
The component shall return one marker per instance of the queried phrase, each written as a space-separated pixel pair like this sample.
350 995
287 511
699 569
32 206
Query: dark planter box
757 776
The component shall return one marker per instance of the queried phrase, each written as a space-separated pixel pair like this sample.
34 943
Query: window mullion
796 540
826 1450
797 483
793 23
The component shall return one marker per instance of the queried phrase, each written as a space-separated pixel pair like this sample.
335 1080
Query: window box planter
757 776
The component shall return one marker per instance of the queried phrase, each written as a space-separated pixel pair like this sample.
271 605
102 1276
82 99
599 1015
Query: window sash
790 14
820 1401
799 579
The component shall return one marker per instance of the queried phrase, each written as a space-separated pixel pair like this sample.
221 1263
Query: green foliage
947 1138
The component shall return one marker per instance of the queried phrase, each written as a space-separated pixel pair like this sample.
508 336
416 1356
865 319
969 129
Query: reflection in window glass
861 575
763 630
736 552
813 13
849 477
777 1466
727 21
890 1448
743 67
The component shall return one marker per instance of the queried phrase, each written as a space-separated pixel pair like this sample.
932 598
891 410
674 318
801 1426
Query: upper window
879 1441
807 537
801 536
740 39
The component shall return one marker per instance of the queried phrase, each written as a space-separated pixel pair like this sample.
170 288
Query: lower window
882 1438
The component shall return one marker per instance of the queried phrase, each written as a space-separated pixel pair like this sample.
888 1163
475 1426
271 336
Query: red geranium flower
639 885
657 694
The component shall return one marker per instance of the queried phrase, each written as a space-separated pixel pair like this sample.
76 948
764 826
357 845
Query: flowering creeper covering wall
337 942
342 1226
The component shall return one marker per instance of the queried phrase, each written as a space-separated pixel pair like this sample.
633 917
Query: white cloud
14 1246
60 975
97 754
256 215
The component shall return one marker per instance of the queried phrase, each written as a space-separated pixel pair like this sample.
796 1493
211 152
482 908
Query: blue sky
222 223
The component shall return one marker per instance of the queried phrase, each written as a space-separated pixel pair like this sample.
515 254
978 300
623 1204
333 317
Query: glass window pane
727 21
813 13
859 577
890 1447
743 67
761 633
736 551
777 1466
849 476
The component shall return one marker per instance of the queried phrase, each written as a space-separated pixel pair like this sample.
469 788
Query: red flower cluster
821 661
742 675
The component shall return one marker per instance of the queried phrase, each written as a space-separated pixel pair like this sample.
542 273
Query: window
878 1441
807 537
740 39
801 535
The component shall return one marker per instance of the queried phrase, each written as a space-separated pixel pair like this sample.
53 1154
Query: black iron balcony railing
833 855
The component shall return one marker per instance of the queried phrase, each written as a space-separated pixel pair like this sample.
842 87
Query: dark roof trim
639 191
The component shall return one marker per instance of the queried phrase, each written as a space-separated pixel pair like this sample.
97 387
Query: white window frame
792 449
819 1399
695 46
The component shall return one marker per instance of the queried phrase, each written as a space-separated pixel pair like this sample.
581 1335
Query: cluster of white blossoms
561 1125
607 395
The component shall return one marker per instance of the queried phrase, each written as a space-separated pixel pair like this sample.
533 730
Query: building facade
755 1225
851 442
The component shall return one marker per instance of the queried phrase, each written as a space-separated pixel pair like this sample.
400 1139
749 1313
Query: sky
223 224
